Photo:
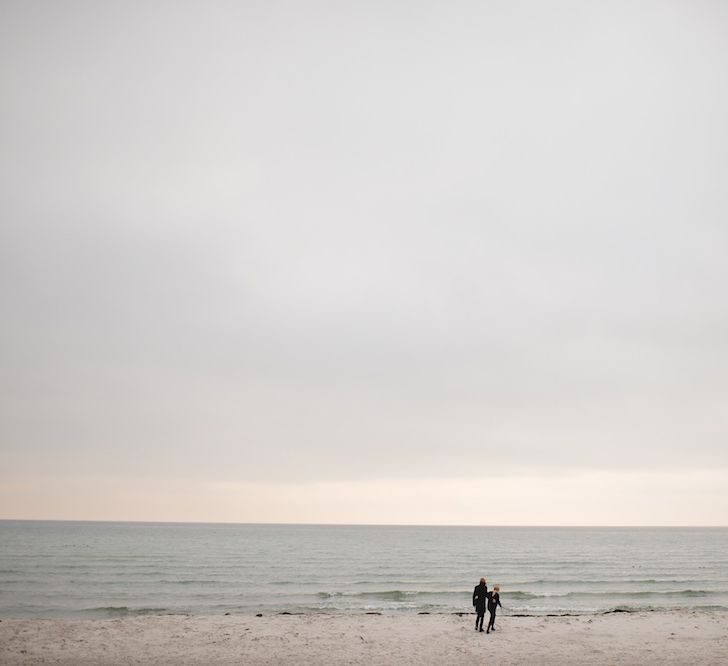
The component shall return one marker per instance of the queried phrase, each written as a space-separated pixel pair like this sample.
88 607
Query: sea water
86 569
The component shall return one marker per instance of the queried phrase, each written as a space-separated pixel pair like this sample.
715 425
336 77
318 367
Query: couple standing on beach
481 597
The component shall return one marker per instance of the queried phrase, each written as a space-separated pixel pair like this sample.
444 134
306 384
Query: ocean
93 569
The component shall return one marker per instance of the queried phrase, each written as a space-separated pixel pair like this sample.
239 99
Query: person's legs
479 621
491 620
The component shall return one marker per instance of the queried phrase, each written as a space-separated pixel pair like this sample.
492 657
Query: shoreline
85 615
647 637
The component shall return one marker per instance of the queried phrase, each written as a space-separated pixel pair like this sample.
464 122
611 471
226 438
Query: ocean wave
519 594
402 595
613 581
185 581
125 610
661 609
387 582
393 595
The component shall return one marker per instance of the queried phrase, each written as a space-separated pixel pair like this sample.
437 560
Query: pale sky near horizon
412 262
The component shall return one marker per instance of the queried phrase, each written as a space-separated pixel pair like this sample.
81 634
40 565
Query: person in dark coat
480 598
493 603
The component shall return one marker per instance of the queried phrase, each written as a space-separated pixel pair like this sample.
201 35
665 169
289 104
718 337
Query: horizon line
287 524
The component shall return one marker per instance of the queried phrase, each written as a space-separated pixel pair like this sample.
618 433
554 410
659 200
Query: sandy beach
617 638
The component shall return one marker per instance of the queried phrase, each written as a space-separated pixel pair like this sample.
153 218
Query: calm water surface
81 569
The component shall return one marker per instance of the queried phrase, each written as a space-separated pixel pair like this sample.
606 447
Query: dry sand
618 638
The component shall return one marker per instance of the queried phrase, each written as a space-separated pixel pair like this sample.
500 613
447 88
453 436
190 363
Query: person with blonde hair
493 603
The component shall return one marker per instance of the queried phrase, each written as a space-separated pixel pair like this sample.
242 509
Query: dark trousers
479 618
491 619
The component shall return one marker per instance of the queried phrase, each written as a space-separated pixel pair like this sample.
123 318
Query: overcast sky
426 262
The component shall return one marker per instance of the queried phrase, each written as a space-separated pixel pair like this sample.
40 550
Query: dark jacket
493 601
480 595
